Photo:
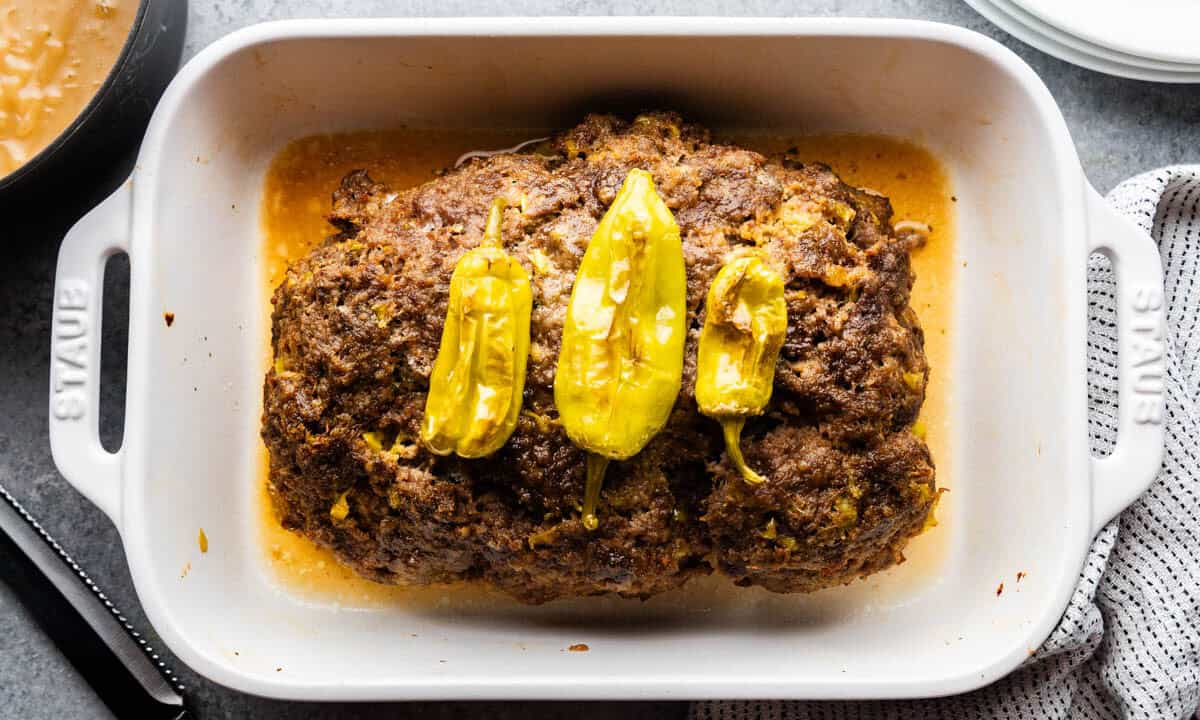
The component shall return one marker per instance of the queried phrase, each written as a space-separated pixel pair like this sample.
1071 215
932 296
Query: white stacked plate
1156 40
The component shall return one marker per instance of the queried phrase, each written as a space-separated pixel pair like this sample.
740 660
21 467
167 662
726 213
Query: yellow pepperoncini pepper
621 361
745 322
478 377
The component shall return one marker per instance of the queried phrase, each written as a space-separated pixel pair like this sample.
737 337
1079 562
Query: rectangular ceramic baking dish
1026 495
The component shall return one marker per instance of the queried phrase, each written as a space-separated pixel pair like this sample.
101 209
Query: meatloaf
356 325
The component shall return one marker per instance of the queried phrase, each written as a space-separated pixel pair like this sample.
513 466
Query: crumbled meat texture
356 325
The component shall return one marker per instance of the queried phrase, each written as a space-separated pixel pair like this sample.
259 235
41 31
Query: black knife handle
105 650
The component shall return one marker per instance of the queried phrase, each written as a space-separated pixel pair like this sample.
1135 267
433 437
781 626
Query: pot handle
75 352
1118 479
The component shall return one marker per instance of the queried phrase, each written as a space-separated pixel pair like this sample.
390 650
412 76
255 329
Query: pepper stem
596 465
491 231
732 428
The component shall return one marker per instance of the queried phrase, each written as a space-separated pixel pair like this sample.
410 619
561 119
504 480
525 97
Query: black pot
93 150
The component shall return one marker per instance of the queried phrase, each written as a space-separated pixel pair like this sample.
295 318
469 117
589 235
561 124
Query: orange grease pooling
296 198
301 179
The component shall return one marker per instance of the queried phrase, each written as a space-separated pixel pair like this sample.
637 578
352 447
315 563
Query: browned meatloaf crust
357 322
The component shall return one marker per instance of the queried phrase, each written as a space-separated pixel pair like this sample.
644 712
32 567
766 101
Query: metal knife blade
115 659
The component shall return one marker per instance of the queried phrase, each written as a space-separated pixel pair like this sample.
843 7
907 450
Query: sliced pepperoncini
745 322
621 361
479 375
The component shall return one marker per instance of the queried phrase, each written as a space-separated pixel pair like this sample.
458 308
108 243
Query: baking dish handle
75 352
1119 478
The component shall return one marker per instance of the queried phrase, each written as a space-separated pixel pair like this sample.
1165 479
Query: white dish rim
102 481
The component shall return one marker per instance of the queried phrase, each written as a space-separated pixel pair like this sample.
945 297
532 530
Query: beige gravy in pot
54 56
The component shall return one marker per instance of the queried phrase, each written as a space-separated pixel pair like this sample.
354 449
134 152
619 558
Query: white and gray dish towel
1128 646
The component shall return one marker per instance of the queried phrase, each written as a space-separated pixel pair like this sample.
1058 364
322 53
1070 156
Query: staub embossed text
71 350
1147 356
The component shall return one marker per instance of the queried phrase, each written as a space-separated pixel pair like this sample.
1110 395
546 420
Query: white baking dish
1026 496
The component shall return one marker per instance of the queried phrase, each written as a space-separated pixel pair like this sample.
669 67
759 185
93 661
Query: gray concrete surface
1120 126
